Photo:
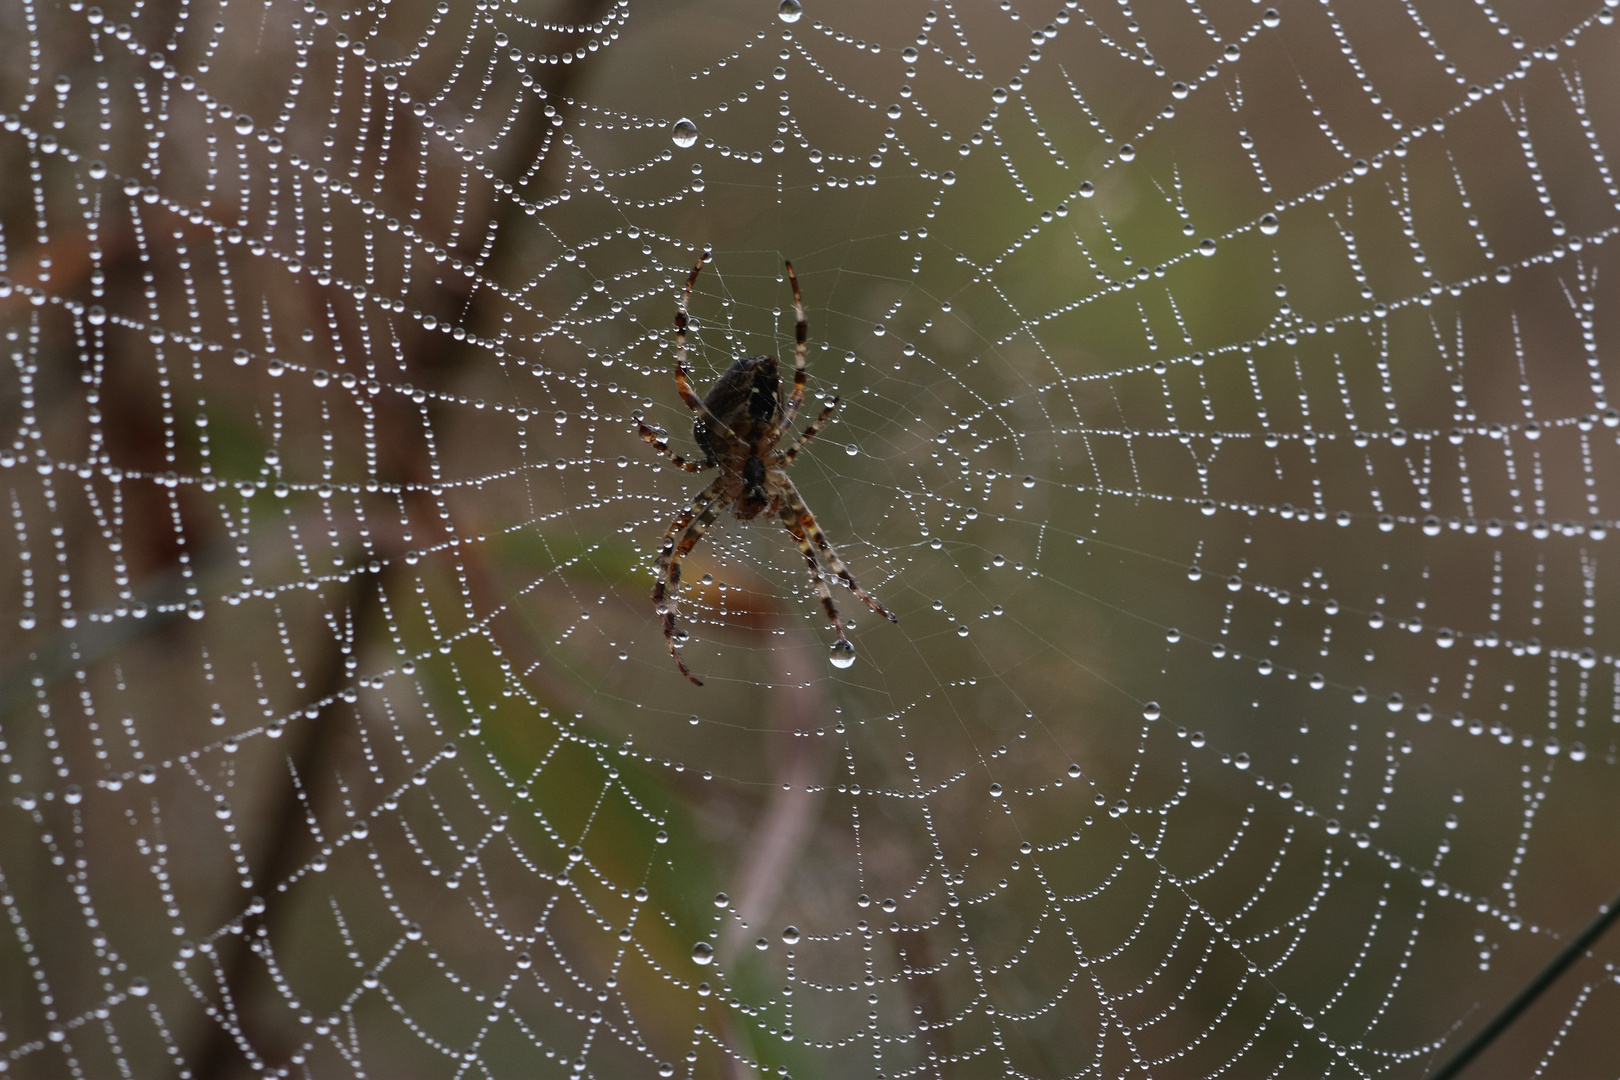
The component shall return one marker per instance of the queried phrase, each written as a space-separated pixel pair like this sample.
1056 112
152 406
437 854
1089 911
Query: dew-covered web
1223 412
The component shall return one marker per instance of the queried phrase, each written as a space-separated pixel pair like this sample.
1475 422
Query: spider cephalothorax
737 427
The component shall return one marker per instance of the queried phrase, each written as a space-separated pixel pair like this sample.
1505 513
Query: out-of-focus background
1223 412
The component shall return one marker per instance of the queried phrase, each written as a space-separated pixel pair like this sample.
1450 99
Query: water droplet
684 133
1444 638
1269 224
790 935
244 124
721 900
1271 18
995 791
910 55
1504 274
1127 152
1206 246
138 986
779 73
762 944
789 11
1074 772
703 953
843 654
1241 761
1150 711
576 853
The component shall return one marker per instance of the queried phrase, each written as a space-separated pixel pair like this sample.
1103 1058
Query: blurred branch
790 814
438 360
1526 997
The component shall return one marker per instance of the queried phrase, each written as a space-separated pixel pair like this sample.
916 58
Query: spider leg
683 381
691 524
800 335
683 376
796 510
790 520
787 456
661 444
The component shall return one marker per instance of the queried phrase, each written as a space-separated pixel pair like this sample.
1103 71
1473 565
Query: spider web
1223 413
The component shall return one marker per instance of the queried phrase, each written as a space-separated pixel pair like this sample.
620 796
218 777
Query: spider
737 427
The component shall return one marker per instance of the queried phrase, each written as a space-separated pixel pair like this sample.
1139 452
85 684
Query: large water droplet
244 124
684 133
791 935
843 654
702 953
1269 224
789 10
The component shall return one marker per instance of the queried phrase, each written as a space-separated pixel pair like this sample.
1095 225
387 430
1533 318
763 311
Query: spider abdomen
741 409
